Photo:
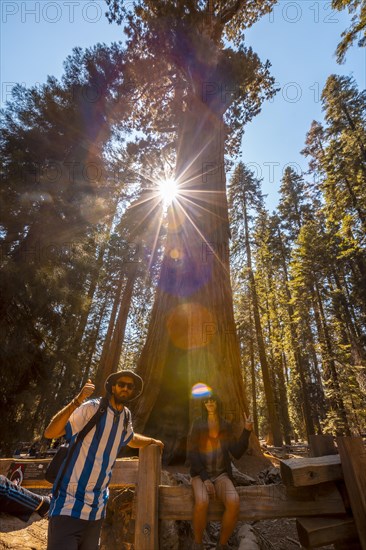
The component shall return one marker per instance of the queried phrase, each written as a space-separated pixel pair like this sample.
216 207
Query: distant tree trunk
192 336
90 348
76 346
349 317
112 356
352 321
345 314
330 370
295 342
253 376
268 389
284 406
276 357
273 420
99 377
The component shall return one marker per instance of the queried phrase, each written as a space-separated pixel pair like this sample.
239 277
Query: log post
353 459
148 480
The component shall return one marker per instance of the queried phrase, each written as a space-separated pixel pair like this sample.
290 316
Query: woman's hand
210 488
248 422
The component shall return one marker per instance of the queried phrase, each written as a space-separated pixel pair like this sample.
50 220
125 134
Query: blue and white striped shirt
83 491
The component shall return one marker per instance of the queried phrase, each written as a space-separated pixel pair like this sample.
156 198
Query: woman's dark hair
214 396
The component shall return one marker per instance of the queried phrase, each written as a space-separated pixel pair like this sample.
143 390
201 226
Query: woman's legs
227 493
200 508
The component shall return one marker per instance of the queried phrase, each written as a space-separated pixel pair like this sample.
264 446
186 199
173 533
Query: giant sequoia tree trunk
192 335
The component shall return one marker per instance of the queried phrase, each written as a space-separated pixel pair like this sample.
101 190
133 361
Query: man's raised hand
86 391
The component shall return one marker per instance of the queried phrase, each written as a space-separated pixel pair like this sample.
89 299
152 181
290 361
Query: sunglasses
128 385
210 400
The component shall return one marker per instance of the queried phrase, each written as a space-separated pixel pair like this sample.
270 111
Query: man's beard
121 400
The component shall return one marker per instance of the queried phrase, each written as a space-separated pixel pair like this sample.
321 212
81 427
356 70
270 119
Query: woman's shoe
44 507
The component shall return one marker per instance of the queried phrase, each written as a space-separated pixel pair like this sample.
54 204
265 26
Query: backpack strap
127 418
93 420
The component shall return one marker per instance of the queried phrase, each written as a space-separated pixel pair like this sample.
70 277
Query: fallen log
257 502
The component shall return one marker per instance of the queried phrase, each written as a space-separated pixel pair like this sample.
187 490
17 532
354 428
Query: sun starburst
168 190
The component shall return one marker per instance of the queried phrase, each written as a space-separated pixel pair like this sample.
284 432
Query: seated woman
211 442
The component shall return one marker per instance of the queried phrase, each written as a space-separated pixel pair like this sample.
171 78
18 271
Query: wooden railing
348 470
326 494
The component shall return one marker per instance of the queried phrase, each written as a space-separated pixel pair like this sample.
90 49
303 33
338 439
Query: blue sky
299 38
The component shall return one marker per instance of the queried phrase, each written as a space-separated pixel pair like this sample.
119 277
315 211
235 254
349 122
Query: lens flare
201 390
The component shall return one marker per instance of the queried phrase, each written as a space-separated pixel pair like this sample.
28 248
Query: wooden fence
325 493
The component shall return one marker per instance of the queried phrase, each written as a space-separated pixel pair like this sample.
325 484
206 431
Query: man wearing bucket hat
78 507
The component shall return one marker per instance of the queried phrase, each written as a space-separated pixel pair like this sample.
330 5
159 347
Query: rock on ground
247 538
18 535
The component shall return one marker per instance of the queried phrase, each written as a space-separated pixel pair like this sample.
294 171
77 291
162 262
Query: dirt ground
279 534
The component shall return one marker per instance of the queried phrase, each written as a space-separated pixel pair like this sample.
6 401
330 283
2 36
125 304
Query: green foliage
308 261
57 196
176 57
356 31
